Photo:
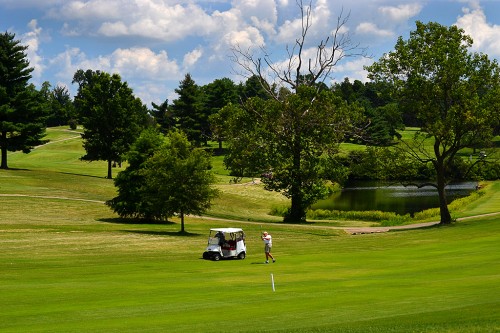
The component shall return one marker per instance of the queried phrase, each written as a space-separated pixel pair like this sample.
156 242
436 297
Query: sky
153 44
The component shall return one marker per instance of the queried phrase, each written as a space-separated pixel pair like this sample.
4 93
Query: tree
384 119
21 108
110 114
454 94
130 200
218 94
188 111
253 87
166 176
61 108
301 123
163 117
178 179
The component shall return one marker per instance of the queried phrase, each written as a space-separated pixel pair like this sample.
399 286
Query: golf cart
225 243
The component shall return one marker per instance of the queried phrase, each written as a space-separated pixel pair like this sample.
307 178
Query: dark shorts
267 248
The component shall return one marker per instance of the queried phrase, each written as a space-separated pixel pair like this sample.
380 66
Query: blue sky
152 44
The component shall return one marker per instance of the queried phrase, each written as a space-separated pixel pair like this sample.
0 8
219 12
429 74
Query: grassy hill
68 264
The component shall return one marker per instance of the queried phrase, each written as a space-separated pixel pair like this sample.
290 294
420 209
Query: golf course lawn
69 264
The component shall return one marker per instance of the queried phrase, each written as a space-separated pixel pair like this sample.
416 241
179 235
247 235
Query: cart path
349 230
354 230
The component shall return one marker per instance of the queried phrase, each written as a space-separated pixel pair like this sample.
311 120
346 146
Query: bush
385 218
72 124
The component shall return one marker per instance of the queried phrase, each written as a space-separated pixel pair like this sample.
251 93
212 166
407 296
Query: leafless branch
297 69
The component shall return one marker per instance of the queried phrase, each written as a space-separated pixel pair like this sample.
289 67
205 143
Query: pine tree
21 115
188 111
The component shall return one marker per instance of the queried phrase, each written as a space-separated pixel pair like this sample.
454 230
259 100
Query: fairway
69 264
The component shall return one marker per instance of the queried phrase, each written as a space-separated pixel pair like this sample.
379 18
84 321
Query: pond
391 197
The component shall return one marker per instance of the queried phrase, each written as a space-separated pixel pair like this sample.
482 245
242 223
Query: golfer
268 241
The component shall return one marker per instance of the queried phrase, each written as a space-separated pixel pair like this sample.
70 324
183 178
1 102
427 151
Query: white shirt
268 239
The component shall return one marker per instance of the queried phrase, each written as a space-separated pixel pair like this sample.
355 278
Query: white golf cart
225 243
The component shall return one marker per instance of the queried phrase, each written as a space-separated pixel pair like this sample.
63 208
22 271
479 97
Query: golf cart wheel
241 255
216 257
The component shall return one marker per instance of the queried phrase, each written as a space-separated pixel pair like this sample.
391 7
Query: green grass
69 265
84 271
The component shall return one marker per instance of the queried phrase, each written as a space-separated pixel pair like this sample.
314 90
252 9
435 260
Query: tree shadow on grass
162 233
123 220
134 221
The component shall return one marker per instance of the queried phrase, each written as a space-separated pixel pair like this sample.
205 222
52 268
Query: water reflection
390 197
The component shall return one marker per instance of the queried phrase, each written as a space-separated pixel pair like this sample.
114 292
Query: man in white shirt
268 241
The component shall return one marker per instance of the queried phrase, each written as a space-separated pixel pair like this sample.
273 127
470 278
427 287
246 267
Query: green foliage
453 93
384 218
290 141
384 118
61 110
22 123
110 114
163 116
130 182
166 176
188 112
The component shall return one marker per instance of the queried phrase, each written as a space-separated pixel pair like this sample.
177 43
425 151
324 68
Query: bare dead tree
298 69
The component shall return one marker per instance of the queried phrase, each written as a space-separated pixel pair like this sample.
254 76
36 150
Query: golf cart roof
227 230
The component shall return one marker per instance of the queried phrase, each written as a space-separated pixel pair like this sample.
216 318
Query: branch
329 53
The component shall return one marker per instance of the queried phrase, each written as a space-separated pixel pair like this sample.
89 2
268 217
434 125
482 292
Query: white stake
272 281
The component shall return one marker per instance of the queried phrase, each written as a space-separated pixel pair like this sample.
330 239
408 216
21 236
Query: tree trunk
443 203
4 151
110 174
4 158
182 222
297 213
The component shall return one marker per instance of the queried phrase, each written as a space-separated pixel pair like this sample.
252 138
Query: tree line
285 128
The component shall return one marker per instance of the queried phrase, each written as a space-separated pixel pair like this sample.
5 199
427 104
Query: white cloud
32 40
369 28
145 67
401 12
321 23
145 18
245 39
484 34
139 62
192 58
262 14
142 63
354 69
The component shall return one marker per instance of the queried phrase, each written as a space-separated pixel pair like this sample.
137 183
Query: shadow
216 151
16 169
259 263
435 226
84 175
163 233
122 220
64 173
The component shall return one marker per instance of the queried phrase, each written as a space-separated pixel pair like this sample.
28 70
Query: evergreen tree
218 94
188 111
163 117
21 111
